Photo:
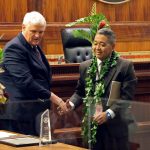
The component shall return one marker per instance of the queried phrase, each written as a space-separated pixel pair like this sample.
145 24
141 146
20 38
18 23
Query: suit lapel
28 46
35 58
44 64
109 76
40 62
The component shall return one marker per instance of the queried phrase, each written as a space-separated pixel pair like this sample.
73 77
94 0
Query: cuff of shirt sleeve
72 104
111 113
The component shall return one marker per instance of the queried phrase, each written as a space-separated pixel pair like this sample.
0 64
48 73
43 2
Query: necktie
98 70
99 67
37 53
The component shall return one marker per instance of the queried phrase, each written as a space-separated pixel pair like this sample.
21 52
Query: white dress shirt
99 62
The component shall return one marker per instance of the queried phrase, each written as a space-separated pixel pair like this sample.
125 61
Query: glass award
98 109
95 109
45 129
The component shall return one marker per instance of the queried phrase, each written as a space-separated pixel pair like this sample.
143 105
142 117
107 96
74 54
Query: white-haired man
27 77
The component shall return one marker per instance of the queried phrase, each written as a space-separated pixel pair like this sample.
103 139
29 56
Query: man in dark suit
27 77
94 85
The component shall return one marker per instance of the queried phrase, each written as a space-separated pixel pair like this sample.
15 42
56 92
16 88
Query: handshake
64 107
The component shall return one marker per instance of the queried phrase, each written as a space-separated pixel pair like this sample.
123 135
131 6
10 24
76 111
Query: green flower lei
94 92
1 55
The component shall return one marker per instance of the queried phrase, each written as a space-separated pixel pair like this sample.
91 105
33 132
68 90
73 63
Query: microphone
61 58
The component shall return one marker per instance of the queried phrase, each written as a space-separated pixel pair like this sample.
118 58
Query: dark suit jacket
26 79
122 72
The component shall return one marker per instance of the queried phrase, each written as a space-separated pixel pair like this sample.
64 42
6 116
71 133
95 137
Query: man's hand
65 108
62 108
100 118
68 105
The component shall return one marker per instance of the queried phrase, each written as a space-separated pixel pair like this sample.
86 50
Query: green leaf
1 55
93 20
82 34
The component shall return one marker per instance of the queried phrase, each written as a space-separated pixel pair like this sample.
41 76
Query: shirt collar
98 62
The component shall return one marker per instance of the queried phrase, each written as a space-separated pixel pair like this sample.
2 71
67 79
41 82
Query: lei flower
94 92
1 55
96 21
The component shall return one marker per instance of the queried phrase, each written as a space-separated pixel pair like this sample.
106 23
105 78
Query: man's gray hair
109 34
34 18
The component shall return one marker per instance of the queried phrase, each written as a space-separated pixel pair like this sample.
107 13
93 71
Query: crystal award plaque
95 109
98 109
45 129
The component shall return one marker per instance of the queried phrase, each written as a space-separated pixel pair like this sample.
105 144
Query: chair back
75 49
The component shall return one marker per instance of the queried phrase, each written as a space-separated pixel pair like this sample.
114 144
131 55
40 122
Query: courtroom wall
130 20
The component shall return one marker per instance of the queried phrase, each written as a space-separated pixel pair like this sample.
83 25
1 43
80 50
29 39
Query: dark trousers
105 141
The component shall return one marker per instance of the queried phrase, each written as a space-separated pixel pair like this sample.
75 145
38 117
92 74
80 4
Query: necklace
94 92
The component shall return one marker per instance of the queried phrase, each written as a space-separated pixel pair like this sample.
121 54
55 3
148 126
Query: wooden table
58 146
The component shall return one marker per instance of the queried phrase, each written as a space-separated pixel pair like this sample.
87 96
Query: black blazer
26 78
122 72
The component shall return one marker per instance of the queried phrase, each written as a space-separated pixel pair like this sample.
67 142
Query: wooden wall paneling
34 5
53 47
134 10
131 36
133 46
132 31
12 10
52 39
8 31
139 10
66 10
119 13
